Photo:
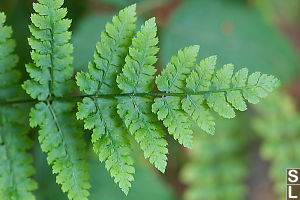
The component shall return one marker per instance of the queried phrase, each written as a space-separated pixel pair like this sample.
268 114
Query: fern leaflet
110 140
15 162
223 91
169 109
137 77
51 74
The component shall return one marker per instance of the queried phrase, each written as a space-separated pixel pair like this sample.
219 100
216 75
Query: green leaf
143 125
235 97
59 135
218 101
200 79
219 104
36 90
138 73
223 91
261 85
137 76
109 138
172 80
200 113
168 110
51 51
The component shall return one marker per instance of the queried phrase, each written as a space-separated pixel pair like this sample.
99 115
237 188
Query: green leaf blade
109 138
172 78
200 113
143 125
64 145
175 119
137 74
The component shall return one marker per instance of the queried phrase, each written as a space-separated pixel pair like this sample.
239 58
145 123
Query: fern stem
57 125
152 94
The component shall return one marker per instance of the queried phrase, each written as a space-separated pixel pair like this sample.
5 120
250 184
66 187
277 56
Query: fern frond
109 138
137 77
223 91
278 125
51 73
172 80
218 172
183 90
64 145
15 162
119 101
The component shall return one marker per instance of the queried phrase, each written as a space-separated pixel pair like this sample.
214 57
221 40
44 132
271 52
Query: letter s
293 177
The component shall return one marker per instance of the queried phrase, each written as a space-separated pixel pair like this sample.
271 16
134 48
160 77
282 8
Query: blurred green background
262 35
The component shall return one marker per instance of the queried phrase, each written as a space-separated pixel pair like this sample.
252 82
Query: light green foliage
15 162
138 73
223 91
278 124
51 51
51 74
137 77
121 98
64 145
109 138
219 172
123 69
172 80
192 104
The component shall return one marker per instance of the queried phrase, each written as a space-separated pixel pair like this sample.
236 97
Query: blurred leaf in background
278 125
234 32
285 10
218 165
